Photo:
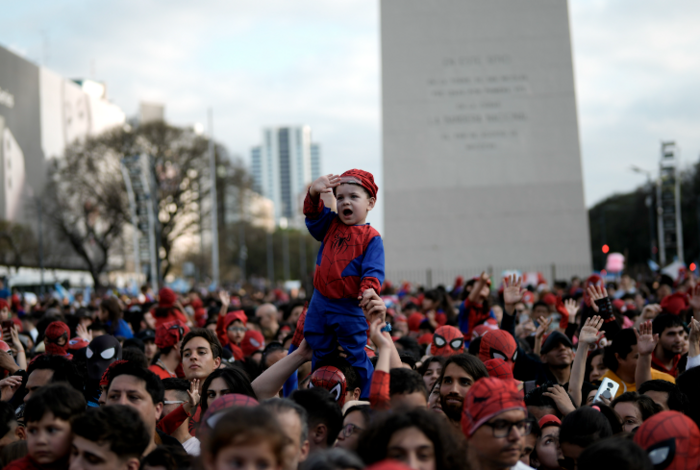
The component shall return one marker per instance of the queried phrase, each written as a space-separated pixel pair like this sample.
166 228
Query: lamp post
650 204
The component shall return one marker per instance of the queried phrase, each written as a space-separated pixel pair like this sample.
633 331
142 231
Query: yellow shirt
632 387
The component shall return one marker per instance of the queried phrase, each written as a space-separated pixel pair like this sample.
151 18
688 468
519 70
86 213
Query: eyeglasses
168 402
238 329
349 429
502 428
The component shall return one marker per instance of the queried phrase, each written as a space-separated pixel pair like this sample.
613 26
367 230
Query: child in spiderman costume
350 264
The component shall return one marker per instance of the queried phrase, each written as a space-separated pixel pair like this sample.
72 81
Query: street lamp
649 203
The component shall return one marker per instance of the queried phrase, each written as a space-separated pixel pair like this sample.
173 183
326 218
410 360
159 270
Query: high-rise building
283 166
482 165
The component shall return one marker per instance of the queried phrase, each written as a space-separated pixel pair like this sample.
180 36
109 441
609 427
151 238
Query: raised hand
512 292
83 332
381 340
225 301
572 307
544 326
589 333
646 340
372 305
597 293
694 300
694 338
193 397
561 399
324 184
8 386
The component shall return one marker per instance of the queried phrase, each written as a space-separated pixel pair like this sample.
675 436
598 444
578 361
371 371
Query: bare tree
87 200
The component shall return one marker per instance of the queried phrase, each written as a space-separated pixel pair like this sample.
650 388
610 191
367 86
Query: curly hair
449 446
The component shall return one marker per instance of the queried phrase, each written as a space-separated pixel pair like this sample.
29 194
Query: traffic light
606 248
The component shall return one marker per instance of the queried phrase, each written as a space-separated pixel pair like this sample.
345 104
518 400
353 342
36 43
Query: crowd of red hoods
495 372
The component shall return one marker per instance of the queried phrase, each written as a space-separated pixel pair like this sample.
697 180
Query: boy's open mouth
347 212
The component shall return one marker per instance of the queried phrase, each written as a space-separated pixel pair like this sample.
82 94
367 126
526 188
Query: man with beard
668 350
458 375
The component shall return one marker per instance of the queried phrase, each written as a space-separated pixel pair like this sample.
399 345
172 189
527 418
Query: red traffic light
606 248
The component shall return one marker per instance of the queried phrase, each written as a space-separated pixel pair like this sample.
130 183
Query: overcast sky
316 62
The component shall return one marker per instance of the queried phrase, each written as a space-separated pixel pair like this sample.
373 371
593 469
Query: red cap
414 321
487 398
78 343
233 316
549 299
169 333
426 338
252 342
361 177
166 297
499 369
549 420
674 303
619 304
4 305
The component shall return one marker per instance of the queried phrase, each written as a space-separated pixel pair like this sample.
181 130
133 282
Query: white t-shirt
191 446
521 466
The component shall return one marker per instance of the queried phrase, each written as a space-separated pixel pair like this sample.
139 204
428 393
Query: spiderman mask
333 380
447 341
498 344
670 439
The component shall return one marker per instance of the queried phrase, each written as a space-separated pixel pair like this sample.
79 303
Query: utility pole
214 206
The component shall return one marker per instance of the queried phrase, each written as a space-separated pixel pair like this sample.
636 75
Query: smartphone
607 389
6 327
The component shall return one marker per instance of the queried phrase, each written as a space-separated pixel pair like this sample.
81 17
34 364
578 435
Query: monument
482 165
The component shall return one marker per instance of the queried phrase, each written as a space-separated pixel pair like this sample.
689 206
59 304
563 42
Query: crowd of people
494 373
473 376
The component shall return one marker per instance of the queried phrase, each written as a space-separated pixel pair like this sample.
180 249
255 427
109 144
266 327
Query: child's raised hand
324 184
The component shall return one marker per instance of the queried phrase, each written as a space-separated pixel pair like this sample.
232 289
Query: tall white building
283 166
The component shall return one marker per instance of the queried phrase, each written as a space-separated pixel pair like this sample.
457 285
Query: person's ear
21 433
371 203
217 362
159 410
356 393
320 433
132 464
304 451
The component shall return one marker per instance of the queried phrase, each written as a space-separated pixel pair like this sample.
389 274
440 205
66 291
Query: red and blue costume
350 261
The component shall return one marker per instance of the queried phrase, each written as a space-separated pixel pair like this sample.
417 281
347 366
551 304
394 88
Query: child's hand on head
324 184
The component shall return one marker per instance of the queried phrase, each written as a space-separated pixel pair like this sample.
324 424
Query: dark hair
412 347
119 425
168 457
114 312
132 354
584 426
246 425
689 384
474 346
472 365
622 344
333 459
539 303
236 380
282 405
676 399
408 359
60 399
273 346
181 386
321 408
406 381
536 398
617 452
449 447
366 411
134 343
64 370
589 363
612 417
664 321
424 367
646 406
7 417
152 382
208 335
